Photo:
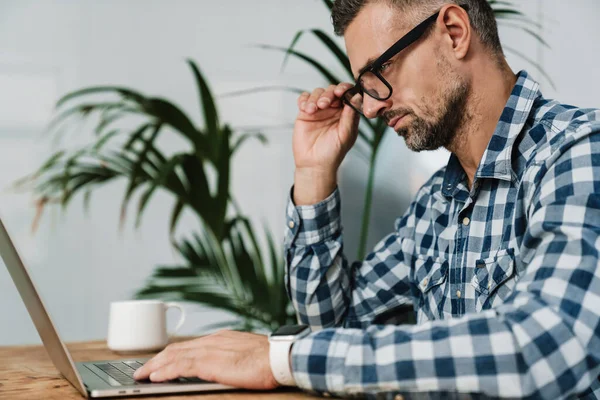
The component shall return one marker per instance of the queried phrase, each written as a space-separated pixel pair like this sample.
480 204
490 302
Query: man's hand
324 132
232 358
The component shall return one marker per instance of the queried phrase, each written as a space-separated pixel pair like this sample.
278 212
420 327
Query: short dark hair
480 12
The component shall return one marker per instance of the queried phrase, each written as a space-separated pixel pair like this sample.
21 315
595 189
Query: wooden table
26 372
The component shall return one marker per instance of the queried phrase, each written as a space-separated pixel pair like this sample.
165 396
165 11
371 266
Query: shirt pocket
494 279
431 274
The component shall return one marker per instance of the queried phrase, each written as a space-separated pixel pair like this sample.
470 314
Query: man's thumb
348 125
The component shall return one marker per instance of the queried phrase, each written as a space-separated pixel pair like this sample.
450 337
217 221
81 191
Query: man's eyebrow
366 66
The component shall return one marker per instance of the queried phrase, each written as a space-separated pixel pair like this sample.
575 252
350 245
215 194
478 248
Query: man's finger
311 103
341 88
182 367
155 363
327 97
302 100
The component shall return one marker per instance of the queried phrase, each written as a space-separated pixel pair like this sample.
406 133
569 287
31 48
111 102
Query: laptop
103 378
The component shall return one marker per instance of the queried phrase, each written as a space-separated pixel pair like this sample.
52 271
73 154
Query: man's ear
456 27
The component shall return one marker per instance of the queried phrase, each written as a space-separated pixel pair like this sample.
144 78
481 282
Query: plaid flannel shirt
504 278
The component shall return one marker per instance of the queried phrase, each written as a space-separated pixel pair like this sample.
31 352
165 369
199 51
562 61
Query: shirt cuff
309 225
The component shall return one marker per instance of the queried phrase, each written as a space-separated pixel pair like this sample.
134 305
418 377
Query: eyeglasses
371 81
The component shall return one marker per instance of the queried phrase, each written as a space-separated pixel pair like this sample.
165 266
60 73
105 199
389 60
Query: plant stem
364 230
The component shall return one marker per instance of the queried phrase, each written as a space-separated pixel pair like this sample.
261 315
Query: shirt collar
496 161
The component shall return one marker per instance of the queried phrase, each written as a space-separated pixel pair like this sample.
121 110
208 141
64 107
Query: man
498 252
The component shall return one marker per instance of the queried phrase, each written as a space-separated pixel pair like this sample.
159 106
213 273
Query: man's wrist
313 186
281 366
280 346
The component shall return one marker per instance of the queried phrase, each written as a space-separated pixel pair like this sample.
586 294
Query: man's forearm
326 291
479 353
316 279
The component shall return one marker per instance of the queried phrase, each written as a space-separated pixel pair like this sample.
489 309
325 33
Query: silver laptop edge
54 345
58 352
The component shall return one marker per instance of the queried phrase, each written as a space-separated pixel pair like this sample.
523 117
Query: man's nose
372 107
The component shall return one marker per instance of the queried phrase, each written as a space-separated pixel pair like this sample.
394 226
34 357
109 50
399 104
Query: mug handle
181 318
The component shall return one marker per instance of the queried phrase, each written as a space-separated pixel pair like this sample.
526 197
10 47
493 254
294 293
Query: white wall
81 263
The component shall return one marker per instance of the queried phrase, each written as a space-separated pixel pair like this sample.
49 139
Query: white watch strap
279 356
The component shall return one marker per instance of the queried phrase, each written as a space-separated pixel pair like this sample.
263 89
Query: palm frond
211 116
332 79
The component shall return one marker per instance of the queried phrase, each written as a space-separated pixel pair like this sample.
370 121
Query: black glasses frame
412 36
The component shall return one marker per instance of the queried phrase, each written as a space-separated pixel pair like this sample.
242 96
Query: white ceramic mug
140 325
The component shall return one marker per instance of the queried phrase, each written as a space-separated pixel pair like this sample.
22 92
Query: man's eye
384 66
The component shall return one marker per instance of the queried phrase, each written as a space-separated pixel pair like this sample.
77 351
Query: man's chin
403 133
410 142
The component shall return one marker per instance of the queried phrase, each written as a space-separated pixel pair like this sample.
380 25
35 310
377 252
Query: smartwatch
280 344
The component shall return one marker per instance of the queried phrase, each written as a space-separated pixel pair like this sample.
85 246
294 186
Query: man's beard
442 129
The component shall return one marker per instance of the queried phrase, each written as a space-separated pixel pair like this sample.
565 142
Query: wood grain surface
26 372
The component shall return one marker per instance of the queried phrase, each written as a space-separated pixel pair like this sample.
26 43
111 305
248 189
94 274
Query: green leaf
178 272
261 138
339 54
263 89
83 109
165 174
117 161
198 190
52 160
211 247
136 135
505 3
87 198
332 79
243 263
328 4
138 175
500 12
277 271
295 40
104 139
175 215
123 92
169 113
222 166
211 116
335 49
106 119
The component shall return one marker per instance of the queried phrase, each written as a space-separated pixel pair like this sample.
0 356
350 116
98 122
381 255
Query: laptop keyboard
122 372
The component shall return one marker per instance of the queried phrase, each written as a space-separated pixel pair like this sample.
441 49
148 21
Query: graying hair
480 13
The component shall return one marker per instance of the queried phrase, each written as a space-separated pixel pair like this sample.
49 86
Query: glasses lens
374 86
370 84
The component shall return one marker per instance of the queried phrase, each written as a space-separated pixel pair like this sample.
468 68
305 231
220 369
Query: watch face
289 330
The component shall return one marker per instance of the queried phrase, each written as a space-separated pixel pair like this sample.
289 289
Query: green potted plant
221 264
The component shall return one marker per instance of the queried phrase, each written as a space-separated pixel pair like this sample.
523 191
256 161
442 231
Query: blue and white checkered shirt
504 277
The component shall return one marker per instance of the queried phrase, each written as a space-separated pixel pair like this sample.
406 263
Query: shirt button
489 284
425 282
399 397
466 221
458 294
291 224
